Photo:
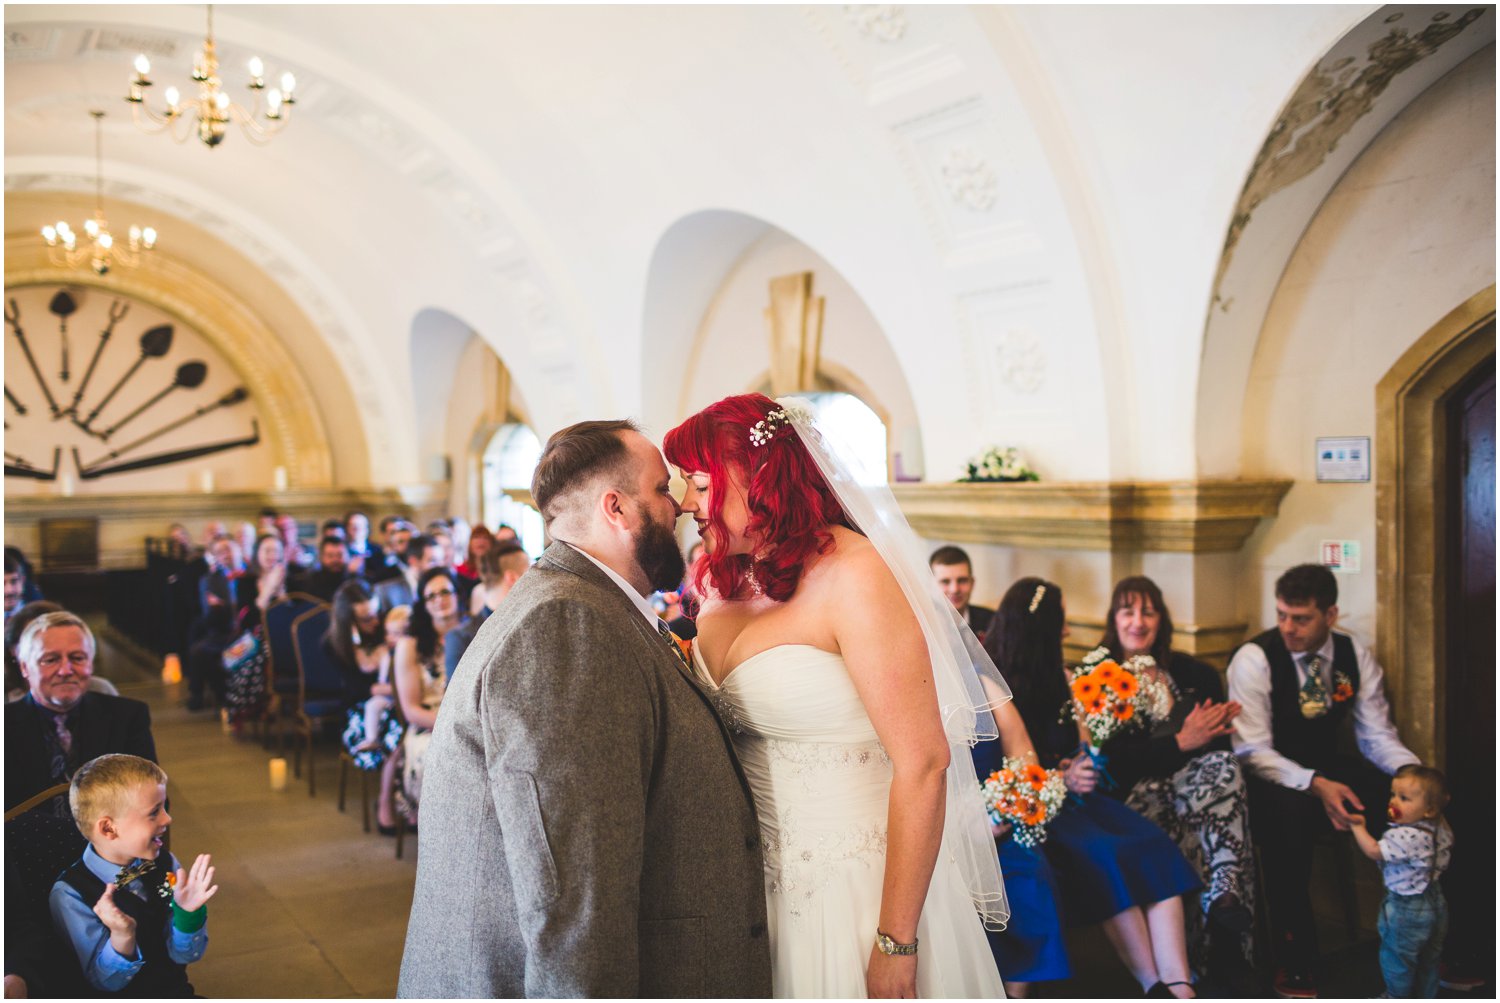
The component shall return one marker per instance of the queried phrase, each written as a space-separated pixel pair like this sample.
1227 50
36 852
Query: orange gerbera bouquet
1109 698
1026 796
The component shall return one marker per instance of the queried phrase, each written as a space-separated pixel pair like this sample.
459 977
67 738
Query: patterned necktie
671 638
1314 695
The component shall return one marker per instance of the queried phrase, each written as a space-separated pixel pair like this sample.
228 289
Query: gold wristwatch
888 946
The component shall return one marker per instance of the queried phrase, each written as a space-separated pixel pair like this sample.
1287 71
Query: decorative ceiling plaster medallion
883 22
1021 361
969 178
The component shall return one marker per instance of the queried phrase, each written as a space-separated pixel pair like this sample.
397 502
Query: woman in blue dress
1112 866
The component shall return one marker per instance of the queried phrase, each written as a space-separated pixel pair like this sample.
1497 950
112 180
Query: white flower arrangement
996 464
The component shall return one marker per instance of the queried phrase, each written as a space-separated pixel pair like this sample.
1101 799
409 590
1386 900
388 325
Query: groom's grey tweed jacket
585 827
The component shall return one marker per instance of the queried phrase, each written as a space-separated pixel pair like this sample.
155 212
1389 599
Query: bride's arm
882 644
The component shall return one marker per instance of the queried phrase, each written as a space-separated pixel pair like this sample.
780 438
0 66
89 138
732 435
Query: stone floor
309 905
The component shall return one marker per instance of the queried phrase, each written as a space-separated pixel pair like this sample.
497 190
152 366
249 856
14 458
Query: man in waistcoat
1316 738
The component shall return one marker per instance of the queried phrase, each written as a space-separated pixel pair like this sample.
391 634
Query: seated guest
265 521
20 588
506 534
1302 689
60 724
481 541
954 574
358 644
134 918
499 570
421 553
366 559
1112 865
298 557
1183 775
395 533
244 538
215 626
15 626
264 581
1031 947
420 679
332 527
331 572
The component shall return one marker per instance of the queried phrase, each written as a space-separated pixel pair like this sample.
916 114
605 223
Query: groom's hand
891 976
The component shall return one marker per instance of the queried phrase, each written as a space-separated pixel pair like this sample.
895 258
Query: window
855 431
509 461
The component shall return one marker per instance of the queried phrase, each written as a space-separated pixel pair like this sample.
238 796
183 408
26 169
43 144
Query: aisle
308 903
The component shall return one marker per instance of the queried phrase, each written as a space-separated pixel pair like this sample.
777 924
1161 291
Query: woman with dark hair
264 580
1182 774
356 641
1112 865
849 689
420 679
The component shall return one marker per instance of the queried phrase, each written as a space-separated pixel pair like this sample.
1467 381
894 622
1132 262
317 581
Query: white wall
1406 236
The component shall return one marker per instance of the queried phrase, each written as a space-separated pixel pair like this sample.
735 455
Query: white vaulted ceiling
980 176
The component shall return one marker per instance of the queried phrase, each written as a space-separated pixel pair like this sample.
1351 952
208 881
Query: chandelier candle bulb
257 72
142 70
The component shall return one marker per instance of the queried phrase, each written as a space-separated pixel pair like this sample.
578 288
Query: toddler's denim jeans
1412 929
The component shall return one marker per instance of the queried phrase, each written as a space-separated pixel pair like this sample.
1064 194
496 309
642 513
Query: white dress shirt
1250 687
641 603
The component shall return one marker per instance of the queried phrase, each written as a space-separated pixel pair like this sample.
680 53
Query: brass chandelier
99 249
269 111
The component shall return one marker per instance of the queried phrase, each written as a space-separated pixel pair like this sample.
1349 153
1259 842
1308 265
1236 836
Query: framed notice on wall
1346 459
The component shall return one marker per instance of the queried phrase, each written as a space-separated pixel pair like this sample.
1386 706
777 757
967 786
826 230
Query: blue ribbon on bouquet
1101 767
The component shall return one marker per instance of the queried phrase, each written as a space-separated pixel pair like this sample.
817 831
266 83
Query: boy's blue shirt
103 966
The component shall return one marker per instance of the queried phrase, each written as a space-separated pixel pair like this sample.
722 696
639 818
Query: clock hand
189 376
13 318
154 344
20 408
161 459
234 396
63 306
117 311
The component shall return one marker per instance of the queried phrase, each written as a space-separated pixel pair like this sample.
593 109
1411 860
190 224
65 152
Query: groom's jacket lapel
564 558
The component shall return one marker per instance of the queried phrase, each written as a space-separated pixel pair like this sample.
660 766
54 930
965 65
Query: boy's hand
195 887
120 926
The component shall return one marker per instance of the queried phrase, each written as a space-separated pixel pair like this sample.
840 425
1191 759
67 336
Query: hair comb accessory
1036 600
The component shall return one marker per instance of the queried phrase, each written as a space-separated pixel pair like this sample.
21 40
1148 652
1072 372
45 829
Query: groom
585 827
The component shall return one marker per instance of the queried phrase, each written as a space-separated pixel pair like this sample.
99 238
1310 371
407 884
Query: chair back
39 798
279 644
319 673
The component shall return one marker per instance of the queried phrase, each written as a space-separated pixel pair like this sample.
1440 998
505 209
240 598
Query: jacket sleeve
570 729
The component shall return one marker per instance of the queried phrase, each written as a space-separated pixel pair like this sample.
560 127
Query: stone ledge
1177 516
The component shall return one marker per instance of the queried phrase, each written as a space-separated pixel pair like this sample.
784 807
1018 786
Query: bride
850 688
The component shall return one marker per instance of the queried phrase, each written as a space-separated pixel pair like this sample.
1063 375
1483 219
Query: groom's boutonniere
686 646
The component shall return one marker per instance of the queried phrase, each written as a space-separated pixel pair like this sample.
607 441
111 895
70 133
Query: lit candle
278 478
171 669
278 774
224 720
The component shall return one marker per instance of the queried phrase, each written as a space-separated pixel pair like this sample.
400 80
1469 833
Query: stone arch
1347 98
295 432
1410 513
696 284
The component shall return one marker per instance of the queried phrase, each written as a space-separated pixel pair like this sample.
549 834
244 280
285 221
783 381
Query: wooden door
1470 669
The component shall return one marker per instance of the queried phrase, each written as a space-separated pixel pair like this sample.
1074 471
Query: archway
509 461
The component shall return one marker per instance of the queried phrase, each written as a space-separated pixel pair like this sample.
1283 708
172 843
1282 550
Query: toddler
1412 854
134 918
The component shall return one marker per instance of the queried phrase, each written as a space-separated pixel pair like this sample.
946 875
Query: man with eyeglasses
59 725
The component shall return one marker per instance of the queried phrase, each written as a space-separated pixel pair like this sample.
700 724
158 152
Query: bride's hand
891 976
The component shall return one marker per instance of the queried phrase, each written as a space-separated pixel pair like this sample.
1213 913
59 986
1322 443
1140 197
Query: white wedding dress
821 782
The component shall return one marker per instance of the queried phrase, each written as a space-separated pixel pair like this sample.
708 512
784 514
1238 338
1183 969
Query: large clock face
108 394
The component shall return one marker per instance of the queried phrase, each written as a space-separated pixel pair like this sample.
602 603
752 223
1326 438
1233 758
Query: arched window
509 461
854 429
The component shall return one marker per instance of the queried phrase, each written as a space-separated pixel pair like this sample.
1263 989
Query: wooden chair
281 660
320 684
346 763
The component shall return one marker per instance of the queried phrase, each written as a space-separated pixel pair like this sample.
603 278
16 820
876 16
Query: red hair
788 500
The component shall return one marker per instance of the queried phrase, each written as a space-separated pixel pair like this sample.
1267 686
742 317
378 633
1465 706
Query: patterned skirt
354 737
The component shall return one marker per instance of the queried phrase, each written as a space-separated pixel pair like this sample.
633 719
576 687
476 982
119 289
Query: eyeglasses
439 594
52 659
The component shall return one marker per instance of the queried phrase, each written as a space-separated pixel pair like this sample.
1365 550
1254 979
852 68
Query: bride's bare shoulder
852 559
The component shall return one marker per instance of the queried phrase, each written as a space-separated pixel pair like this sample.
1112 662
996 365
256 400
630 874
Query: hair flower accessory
795 408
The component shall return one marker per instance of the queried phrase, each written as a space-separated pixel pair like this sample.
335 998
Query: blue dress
1030 948
1106 856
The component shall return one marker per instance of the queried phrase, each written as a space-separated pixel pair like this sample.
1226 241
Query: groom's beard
658 555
